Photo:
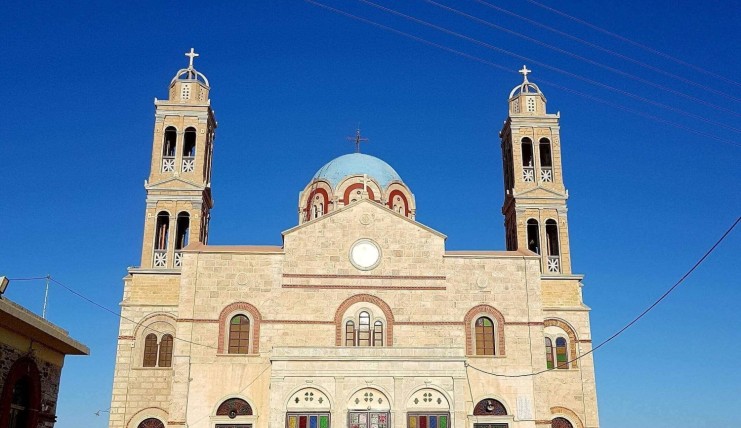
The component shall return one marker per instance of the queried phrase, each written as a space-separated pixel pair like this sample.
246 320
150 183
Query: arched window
20 404
551 236
364 331
239 335
528 169
163 228
150 350
182 236
151 423
549 353
561 423
165 357
489 407
562 356
234 407
546 161
189 150
378 333
168 149
533 236
349 333
484 336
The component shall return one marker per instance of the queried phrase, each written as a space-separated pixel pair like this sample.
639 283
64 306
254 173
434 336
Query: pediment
541 192
174 183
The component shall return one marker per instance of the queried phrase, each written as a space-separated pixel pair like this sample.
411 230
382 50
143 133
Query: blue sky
291 80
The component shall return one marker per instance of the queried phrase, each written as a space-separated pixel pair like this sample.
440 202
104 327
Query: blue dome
357 164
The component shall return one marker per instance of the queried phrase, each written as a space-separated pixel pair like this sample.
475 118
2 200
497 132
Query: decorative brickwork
572 338
468 322
228 312
368 299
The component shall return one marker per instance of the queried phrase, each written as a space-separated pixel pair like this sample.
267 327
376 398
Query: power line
600 48
121 316
635 320
509 70
590 61
634 43
547 66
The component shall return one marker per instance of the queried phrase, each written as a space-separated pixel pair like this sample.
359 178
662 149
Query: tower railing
528 174
189 163
546 174
160 259
168 163
178 261
553 264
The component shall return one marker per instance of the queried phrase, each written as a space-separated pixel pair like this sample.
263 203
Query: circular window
365 254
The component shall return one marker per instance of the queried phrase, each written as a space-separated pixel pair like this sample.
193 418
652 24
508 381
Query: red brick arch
224 322
571 415
367 298
572 338
346 197
484 310
397 192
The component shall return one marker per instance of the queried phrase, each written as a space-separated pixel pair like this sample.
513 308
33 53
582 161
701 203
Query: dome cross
191 55
525 72
357 139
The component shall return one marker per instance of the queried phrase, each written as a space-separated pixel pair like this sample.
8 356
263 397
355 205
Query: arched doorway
20 401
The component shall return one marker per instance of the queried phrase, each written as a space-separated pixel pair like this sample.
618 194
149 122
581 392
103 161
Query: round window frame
359 266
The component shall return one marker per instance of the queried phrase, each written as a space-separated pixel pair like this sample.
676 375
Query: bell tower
179 184
534 194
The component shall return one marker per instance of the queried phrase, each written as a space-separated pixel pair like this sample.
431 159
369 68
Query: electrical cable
634 43
636 319
590 61
509 70
549 67
600 48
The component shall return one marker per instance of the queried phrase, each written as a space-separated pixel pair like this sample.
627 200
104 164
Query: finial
525 72
357 140
192 56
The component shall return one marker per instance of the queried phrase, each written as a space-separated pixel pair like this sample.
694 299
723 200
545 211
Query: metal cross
525 71
357 140
191 55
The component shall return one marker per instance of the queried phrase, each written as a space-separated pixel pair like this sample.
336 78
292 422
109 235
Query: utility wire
509 70
634 43
549 67
83 297
600 48
590 61
636 319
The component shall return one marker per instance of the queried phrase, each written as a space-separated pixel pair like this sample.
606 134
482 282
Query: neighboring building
32 354
362 318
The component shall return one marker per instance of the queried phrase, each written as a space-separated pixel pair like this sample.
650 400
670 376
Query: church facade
362 318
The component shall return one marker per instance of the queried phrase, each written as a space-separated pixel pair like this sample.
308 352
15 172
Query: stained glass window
561 423
489 407
307 420
378 333
368 420
239 335
165 359
484 336
431 420
150 350
561 355
234 407
549 353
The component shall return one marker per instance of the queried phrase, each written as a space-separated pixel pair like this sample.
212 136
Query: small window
350 333
165 358
150 350
549 353
185 91
307 420
239 335
378 333
551 234
234 407
484 336
489 407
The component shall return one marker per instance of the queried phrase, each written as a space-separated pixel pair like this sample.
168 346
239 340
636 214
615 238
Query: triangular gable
375 205
538 191
174 183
